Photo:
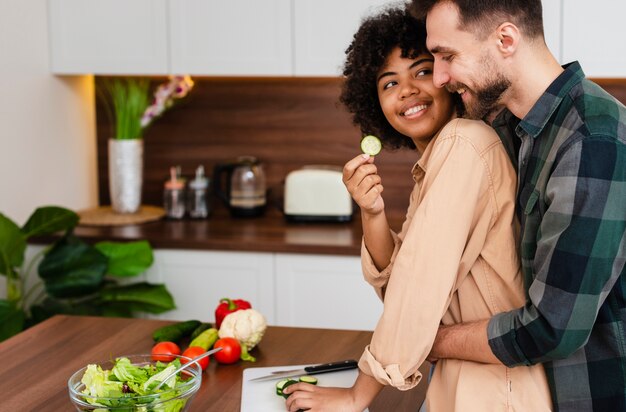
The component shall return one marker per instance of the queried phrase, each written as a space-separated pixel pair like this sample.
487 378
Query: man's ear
508 37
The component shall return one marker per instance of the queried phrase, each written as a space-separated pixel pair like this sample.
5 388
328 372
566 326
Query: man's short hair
482 16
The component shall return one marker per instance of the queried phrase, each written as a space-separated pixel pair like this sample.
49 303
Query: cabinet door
245 37
324 292
593 34
552 10
108 37
199 279
323 30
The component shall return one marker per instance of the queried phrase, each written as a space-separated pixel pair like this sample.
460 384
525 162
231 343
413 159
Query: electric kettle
241 185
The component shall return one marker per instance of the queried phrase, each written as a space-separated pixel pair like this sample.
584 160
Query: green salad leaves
130 386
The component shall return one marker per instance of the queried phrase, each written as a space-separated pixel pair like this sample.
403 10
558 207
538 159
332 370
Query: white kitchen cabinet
244 37
276 37
199 279
324 292
108 37
593 34
323 30
301 290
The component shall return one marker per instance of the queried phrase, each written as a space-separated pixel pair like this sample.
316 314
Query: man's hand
465 341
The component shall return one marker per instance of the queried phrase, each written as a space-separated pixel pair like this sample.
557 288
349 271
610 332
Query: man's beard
486 99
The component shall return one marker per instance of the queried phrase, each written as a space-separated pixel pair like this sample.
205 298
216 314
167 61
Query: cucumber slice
288 383
371 145
281 384
308 379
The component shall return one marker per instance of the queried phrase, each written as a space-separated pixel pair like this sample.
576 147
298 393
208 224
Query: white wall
47 123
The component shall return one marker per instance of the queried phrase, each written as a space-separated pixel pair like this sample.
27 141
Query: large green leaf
12 246
72 268
49 219
50 307
142 297
116 310
127 259
11 319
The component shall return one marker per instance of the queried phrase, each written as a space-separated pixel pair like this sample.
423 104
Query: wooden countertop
268 233
38 362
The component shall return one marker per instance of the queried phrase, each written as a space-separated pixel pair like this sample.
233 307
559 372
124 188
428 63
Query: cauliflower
246 325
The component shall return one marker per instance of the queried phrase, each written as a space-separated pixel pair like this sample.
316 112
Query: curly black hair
375 39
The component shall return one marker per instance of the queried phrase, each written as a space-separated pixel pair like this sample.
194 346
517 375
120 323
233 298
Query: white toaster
317 194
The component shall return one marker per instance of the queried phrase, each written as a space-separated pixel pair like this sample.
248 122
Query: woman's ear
508 37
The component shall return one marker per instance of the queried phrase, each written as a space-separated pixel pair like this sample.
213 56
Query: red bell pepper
227 306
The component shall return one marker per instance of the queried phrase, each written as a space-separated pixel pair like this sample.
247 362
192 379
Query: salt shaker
197 195
174 195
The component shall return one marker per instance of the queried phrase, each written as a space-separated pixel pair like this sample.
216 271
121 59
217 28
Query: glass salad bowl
127 384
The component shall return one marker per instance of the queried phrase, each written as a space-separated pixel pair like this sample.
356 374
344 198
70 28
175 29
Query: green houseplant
128 105
76 277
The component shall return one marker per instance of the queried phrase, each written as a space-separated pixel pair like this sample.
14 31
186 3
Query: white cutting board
261 396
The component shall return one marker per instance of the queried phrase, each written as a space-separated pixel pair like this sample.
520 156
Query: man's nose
440 75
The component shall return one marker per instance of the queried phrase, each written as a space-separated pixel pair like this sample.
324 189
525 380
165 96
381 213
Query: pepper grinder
174 195
197 195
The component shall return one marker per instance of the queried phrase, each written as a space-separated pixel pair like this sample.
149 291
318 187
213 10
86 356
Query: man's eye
388 85
447 58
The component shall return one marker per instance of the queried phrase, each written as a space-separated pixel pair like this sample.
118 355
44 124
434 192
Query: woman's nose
409 89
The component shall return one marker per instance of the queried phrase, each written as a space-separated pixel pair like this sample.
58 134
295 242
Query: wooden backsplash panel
285 122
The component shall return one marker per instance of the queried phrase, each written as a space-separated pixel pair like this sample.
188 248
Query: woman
455 258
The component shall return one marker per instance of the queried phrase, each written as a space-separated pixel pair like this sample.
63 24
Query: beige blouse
454 261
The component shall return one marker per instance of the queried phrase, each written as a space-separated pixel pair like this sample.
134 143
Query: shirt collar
539 115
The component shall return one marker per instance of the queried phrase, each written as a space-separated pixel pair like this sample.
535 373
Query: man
571 199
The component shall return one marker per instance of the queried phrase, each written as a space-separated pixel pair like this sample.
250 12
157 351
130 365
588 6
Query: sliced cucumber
371 145
283 384
308 379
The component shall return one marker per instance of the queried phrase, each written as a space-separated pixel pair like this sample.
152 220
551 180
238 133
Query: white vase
125 174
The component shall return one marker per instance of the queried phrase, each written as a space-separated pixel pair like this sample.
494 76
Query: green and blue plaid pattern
572 206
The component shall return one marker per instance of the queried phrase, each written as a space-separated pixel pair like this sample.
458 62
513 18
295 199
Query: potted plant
76 277
127 102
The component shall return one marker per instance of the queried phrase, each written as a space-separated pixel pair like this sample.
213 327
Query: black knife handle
332 367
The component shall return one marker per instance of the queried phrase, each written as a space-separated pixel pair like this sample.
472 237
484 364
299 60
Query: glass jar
198 195
174 195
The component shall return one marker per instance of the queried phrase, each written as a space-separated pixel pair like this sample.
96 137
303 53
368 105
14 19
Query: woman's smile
414 111
409 99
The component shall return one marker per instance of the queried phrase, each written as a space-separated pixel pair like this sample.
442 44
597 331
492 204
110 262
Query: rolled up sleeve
378 278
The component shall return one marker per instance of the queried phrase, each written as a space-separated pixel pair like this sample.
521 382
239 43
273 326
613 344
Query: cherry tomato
231 350
163 351
192 352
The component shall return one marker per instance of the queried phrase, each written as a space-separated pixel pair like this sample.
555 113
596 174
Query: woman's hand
305 396
361 178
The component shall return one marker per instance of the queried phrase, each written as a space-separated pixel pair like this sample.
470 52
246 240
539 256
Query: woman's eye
423 72
388 85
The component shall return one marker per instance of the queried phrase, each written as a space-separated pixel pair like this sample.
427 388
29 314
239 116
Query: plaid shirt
572 206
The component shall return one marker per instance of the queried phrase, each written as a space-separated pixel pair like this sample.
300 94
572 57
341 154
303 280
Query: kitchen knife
310 370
